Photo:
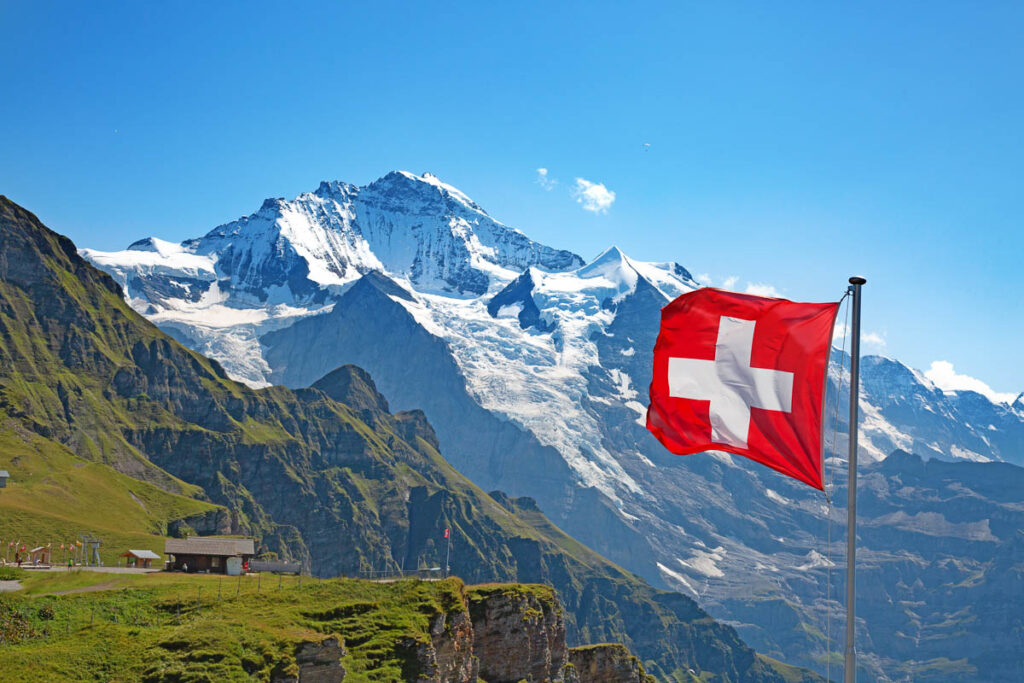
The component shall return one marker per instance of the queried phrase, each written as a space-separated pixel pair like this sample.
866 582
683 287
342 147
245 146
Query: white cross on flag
743 374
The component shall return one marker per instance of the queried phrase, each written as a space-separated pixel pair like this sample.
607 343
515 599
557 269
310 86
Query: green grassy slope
325 475
205 628
54 496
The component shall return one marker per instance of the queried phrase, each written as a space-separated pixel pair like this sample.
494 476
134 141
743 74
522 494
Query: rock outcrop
497 633
318 663
448 655
519 633
605 662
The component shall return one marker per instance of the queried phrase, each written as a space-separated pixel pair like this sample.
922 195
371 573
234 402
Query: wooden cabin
140 559
210 554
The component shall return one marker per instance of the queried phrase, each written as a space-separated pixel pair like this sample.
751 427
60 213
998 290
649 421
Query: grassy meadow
83 625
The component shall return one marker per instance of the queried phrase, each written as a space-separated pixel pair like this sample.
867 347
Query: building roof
209 545
142 554
4 474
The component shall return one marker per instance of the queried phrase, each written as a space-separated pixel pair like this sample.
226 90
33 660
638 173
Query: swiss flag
447 533
743 374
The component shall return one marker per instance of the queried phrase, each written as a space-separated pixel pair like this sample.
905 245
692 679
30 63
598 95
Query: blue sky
790 144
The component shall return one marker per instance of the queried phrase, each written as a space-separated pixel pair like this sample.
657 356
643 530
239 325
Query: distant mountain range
533 366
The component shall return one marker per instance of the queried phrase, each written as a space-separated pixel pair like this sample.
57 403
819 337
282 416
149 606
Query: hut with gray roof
211 554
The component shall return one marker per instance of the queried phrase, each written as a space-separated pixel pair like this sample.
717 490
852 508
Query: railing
274 566
422 573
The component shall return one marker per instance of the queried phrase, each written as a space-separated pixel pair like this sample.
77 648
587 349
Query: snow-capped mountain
298 252
219 292
533 367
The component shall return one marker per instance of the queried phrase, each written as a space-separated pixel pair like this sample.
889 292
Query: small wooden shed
140 559
40 555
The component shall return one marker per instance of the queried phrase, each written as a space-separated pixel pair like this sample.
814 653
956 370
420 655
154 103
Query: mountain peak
610 255
612 265
353 386
334 189
427 186
156 245
410 227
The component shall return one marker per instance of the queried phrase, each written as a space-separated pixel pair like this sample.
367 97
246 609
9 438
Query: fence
422 573
274 566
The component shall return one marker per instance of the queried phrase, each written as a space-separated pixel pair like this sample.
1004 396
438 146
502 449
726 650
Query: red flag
447 532
743 374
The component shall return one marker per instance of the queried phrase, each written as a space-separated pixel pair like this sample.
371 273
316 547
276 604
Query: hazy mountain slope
326 475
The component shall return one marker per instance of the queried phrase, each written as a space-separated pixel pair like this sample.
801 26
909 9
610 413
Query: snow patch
510 311
967 454
706 562
676 577
815 560
777 498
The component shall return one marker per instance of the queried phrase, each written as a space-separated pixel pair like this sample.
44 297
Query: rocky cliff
605 662
496 633
519 633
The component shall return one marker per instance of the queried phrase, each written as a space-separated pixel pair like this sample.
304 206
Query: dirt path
105 586
10 586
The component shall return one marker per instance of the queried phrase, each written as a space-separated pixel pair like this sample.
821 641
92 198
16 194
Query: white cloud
761 289
730 282
841 332
873 339
594 197
947 379
544 180
703 278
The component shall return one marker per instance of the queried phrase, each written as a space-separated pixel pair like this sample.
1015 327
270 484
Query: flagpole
850 665
448 554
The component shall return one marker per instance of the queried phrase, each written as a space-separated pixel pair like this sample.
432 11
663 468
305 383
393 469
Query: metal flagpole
448 553
850 665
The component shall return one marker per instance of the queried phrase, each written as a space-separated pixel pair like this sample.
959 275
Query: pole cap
857 280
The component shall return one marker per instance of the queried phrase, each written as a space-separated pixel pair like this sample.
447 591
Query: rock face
519 633
606 662
449 655
318 663
500 633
